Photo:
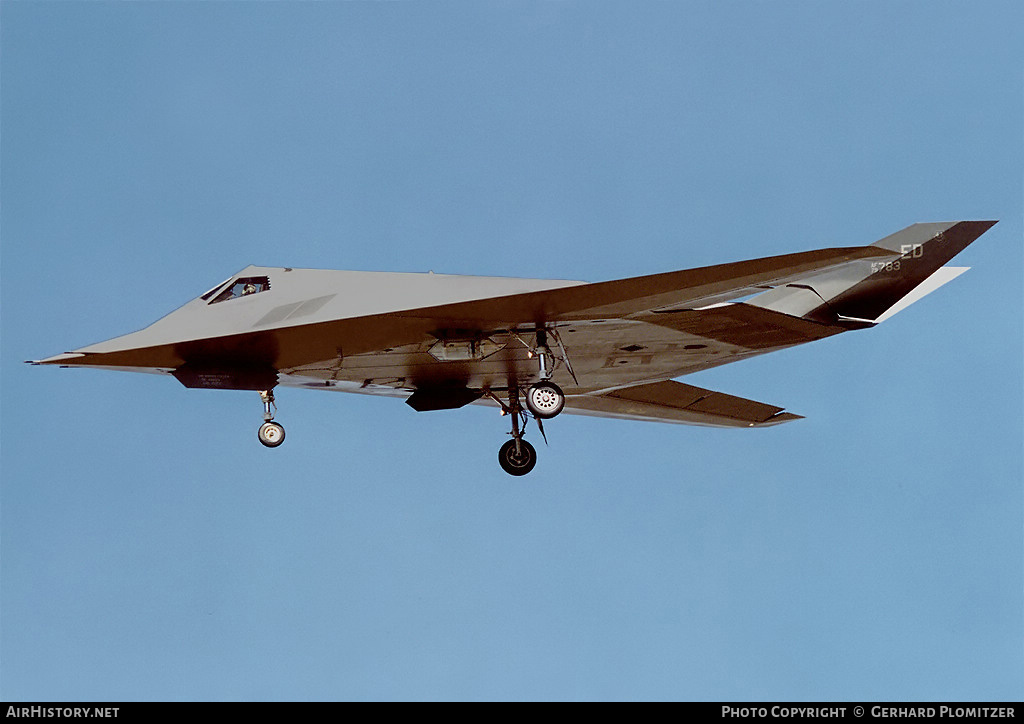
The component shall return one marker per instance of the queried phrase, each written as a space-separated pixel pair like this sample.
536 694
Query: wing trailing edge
672 401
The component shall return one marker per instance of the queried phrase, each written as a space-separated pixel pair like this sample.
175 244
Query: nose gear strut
270 433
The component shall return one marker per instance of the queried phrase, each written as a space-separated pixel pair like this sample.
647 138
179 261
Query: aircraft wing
195 335
672 401
299 345
620 298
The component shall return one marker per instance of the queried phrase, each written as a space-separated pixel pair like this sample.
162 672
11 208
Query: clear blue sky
152 549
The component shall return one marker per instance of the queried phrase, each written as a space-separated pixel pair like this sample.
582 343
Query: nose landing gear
271 434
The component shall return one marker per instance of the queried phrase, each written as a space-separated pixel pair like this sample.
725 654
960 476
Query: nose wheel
271 433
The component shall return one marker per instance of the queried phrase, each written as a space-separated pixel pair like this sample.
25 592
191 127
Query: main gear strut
545 399
517 456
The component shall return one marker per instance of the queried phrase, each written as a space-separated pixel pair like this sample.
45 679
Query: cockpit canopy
240 287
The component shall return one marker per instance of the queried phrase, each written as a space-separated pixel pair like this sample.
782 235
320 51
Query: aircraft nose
56 359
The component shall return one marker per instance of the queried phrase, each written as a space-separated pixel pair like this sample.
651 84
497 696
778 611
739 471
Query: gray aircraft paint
380 333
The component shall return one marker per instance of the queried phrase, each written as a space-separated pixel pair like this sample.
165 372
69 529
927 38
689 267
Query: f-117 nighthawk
531 347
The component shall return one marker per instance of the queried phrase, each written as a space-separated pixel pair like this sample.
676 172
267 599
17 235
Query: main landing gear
517 456
544 400
270 433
